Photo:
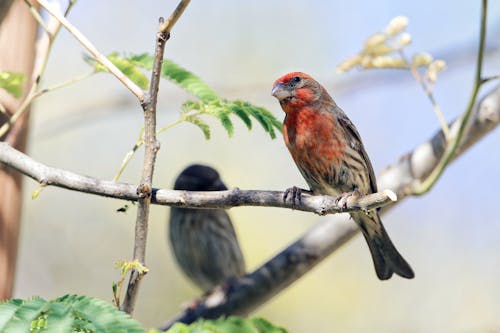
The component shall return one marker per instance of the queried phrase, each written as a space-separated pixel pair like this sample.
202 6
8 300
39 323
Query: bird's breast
314 135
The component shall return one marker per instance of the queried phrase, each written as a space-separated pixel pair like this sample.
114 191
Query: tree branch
254 289
425 184
145 188
43 48
49 176
167 26
135 89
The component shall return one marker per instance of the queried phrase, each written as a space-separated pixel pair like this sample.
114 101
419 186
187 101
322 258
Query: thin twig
167 26
145 188
37 16
135 89
43 48
430 95
63 84
490 78
139 143
425 185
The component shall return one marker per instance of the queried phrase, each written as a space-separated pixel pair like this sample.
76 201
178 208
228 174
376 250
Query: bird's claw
347 198
295 194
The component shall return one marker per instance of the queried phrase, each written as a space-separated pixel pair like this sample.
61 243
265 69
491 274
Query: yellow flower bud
367 62
434 69
404 39
389 62
379 49
421 59
348 63
397 24
375 40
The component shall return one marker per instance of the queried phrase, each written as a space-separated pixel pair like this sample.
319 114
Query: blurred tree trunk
17 44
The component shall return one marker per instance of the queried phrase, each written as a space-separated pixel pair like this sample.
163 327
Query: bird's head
296 89
199 177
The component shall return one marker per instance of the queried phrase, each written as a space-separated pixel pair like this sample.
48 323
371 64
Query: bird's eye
296 79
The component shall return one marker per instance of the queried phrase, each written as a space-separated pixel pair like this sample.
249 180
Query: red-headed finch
328 151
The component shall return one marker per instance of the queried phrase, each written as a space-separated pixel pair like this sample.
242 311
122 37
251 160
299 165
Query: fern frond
70 313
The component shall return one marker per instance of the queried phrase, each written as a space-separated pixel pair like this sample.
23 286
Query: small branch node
143 191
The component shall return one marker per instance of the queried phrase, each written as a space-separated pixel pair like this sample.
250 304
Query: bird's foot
295 195
347 198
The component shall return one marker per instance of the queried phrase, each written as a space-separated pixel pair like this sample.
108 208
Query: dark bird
203 240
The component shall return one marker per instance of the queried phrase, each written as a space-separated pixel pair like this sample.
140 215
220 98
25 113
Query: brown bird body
328 151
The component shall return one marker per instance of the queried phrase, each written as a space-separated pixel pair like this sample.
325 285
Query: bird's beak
280 91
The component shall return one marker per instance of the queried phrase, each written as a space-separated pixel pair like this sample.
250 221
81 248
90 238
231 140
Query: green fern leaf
209 102
125 64
228 325
263 116
191 105
241 113
130 70
182 77
189 81
70 313
195 120
226 122
7 311
12 82
60 320
143 60
25 314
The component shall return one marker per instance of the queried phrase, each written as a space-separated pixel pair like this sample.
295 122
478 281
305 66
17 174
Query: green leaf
125 64
222 109
189 81
61 319
201 125
264 117
70 313
209 102
130 69
26 313
180 76
242 113
143 60
231 324
12 82
226 122
7 312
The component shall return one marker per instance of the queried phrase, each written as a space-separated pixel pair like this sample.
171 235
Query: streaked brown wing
347 124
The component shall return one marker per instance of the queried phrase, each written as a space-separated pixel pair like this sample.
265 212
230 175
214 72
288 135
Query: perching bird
328 151
203 240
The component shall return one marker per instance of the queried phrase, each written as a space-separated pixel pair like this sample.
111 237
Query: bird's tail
386 258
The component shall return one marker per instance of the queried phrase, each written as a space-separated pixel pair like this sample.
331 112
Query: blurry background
70 241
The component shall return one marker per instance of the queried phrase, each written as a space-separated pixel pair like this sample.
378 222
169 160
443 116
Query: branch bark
145 189
254 289
49 176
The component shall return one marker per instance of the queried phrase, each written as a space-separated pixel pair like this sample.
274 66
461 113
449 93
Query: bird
203 241
329 153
